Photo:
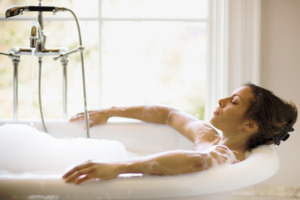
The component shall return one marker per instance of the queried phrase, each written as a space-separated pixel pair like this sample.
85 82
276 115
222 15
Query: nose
222 102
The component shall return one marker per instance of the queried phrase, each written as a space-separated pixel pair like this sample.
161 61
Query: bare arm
163 164
152 114
168 163
184 123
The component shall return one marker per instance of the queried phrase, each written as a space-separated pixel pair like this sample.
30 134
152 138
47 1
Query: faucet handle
65 54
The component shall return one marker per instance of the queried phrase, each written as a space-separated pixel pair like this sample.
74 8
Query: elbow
170 115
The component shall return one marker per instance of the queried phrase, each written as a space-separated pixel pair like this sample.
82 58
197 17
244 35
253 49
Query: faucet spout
36 37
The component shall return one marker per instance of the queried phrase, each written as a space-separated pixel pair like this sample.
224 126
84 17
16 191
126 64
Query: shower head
13 11
16 10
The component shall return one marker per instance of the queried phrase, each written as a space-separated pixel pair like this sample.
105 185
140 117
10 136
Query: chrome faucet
36 37
37 48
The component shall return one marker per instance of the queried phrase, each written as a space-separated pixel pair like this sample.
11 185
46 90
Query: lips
217 112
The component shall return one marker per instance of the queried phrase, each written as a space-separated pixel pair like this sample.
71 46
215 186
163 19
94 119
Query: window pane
185 9
90 10
154 63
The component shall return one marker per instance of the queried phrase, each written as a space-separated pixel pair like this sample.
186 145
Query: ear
251 126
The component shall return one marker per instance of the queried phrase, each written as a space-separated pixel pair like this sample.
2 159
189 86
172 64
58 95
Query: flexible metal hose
40 95
83 77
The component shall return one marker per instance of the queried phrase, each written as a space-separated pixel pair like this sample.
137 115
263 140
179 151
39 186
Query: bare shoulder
224 153
205 136
205 132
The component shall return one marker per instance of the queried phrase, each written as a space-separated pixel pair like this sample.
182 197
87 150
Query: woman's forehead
244 92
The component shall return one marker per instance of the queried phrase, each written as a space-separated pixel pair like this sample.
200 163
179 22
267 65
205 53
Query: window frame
234 48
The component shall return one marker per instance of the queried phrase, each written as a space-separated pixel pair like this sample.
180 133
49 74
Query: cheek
232 117
233 114
234 111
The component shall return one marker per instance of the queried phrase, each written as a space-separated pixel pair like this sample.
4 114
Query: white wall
280 72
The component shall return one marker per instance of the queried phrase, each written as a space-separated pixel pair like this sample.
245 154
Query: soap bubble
26 149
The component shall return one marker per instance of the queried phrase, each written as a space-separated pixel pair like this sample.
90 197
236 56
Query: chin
213 119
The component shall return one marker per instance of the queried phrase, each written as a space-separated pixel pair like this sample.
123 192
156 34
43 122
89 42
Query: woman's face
229 116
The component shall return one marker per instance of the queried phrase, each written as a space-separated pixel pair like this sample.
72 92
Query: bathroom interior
185 54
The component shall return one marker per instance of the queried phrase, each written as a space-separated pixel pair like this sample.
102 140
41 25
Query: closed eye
234 100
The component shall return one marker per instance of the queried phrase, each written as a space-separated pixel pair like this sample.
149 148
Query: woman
252 116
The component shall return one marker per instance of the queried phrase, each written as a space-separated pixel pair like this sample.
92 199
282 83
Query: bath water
25 149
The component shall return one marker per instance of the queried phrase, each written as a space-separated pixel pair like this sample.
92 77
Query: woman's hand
91 170
95 117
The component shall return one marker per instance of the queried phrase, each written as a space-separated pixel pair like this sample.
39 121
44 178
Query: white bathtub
139 138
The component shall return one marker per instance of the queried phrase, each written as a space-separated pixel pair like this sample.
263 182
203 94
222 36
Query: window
136 52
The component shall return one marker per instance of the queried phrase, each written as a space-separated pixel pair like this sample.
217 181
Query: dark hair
275 117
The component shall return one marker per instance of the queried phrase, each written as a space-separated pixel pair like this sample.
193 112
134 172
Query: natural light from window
136 52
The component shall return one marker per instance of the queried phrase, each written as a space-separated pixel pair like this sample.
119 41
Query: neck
236 143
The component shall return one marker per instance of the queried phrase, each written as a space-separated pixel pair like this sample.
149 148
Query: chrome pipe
15 56
16 61
64 62
5 54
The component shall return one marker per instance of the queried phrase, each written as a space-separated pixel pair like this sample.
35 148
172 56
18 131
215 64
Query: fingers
81 116
92 122
79 174
91 170
77 117
83 178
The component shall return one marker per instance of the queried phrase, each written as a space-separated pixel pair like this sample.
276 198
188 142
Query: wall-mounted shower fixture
17 10
37 41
